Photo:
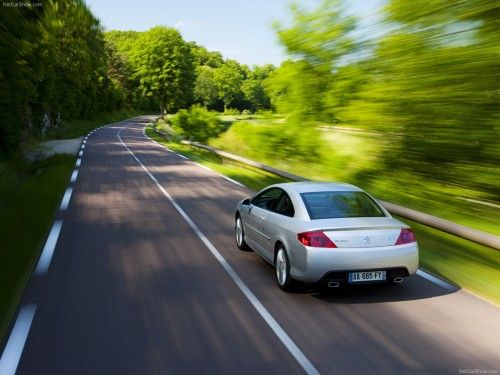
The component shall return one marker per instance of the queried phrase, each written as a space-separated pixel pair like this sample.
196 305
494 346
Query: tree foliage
163 65
197 123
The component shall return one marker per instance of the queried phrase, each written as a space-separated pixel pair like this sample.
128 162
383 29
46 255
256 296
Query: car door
276 220
256 220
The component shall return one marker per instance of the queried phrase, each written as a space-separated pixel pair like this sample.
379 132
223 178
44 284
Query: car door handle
261 218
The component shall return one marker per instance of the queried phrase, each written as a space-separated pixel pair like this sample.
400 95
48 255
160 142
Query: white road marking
80 154
84 140
74 175
17 339
435 280
48 249
182 156
66 199
233 181
78 162
82 146
294 350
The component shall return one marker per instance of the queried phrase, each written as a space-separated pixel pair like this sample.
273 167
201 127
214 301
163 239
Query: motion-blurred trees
429 80
434 81
319 44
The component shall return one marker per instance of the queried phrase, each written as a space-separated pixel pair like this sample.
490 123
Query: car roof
316 186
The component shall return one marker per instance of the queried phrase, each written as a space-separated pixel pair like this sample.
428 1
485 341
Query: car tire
239 234
282 268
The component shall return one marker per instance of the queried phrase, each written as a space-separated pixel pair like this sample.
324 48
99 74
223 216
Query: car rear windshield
340 204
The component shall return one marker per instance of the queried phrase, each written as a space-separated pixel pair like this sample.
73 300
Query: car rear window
340 204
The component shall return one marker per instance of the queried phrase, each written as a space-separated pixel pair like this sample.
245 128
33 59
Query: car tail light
406 236
315 239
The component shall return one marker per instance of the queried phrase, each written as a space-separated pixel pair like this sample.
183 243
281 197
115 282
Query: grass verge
30 195
464 263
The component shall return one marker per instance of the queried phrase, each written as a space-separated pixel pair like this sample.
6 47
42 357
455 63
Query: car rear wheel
239 234
282 266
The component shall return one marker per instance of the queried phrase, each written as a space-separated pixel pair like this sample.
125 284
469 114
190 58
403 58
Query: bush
197 123
231 112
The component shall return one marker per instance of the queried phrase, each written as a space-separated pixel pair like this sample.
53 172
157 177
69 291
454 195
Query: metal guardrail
474 235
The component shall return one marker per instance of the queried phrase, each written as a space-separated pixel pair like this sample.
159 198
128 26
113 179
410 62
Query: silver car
330 232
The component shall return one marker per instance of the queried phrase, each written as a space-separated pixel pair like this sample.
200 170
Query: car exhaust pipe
398 280
333 284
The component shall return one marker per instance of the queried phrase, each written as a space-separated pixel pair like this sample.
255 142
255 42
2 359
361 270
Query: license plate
356 277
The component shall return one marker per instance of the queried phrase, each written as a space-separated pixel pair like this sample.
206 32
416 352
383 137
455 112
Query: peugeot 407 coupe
325 232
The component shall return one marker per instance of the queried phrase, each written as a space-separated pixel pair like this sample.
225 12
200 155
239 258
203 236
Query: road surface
132 288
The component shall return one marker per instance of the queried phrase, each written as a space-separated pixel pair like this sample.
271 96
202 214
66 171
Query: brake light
315 239
406 236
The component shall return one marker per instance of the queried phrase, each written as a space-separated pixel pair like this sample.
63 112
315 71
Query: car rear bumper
321 261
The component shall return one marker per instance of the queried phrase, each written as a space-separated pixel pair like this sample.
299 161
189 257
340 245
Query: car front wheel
239 234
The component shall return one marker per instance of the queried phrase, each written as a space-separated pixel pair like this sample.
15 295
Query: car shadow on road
413 288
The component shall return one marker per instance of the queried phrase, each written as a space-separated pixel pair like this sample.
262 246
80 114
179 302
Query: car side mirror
246 202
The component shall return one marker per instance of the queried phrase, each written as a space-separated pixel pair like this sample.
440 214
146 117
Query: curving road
145 279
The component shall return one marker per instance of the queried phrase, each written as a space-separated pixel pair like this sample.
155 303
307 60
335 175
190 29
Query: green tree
163 64
204 57
19 27
205 88
253 87
229 77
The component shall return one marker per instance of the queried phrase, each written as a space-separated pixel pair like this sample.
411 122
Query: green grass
30 196
78 127
464 263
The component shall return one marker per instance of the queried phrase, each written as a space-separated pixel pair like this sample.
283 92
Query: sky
239 29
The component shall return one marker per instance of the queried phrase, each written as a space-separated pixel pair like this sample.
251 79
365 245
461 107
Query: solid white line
74 175
294 350
435 280
78 162
66 199
14 348
231 180
182 156
48 249
80 154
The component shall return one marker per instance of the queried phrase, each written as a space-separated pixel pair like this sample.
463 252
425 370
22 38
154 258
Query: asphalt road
133 289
